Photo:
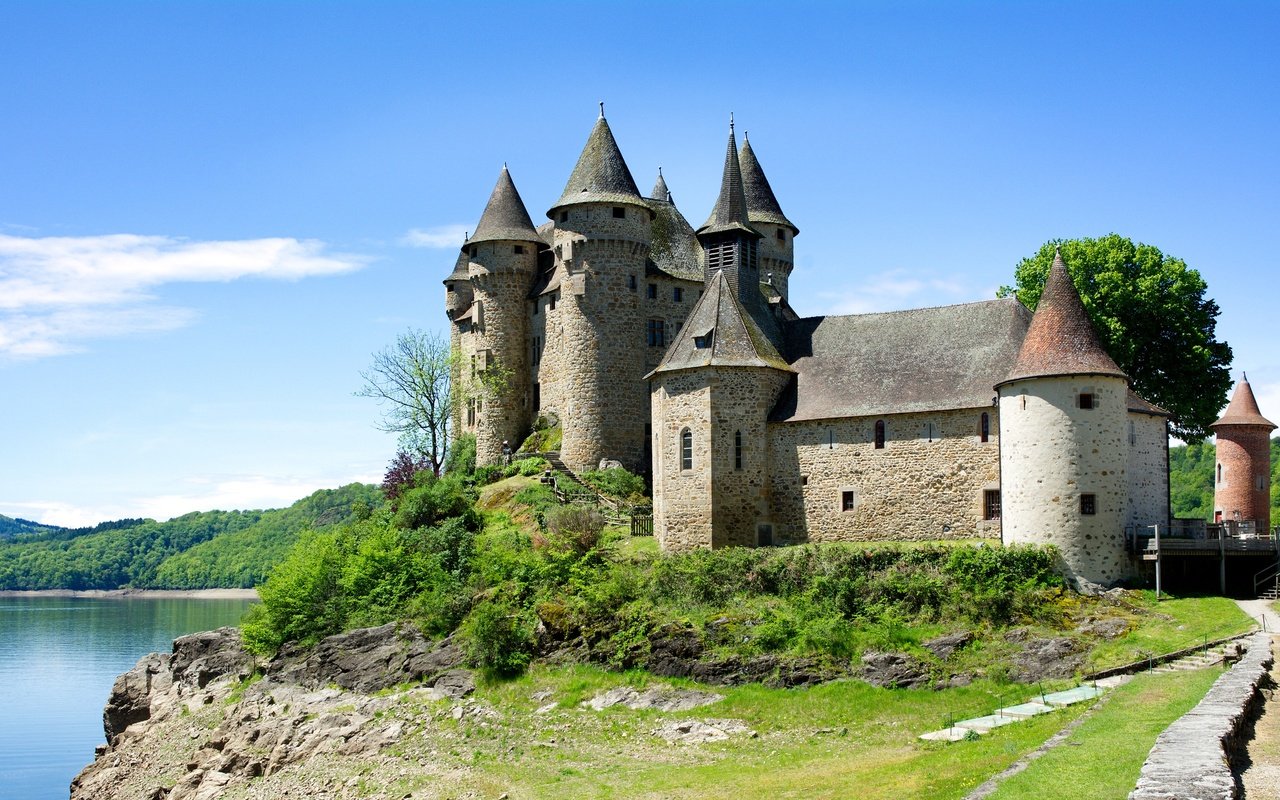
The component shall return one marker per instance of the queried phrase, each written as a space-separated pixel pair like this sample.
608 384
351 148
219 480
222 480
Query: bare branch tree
412 379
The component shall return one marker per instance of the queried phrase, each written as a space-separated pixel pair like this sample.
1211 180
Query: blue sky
212 214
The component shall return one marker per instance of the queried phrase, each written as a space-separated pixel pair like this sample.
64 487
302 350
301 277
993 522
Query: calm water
58 659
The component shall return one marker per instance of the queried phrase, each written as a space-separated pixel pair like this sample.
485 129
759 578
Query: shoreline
136 594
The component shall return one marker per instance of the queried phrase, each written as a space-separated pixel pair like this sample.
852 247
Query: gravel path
1261 778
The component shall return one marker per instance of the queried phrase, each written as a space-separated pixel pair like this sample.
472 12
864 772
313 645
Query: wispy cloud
894 290
59 291
440 236
242 492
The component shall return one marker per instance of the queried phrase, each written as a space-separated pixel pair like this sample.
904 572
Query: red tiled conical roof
1061 340
1243 409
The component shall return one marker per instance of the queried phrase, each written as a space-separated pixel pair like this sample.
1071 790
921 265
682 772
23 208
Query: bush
302 600
499 638
528 467
487 475
571 529
436 499
615 482
462 456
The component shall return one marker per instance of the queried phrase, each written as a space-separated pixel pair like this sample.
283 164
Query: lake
58 659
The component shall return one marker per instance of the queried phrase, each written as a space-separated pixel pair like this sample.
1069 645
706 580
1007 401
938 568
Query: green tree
1154 319
413 378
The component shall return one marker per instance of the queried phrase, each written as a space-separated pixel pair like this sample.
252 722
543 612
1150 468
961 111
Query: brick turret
1242 477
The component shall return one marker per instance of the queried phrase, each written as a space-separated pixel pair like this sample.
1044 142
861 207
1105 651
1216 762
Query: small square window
677 294
846 500
653 291
619 212
804 480
991 504
1086 400
519 249
1088 504
782 235
564 216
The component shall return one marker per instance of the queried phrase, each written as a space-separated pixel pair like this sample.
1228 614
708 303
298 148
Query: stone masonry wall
682 498
926 483
1148 471
1052 453
776 255
1244 458
741 400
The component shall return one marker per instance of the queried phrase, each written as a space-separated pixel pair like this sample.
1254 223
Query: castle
675 351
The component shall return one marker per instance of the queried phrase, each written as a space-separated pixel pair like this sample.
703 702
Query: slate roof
762 205
601 174
1243 409
736 340
1061 340
505 217
460 266
925 359
730 211
674 249
1136 402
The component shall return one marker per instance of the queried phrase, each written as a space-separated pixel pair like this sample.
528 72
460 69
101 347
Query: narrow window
782 235
631 282
1133 433
804 480
737 450
551 302
537 350
1257 482
831 439
655 334
1219 473
1088 504
991 504
653 291
564 216
1086 400
846 500
677 294
879 434
928 431
473 365
984 428
686 450
619 212
519 249
537 396
475 250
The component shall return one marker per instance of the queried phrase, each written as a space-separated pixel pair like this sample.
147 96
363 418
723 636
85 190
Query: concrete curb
1191 759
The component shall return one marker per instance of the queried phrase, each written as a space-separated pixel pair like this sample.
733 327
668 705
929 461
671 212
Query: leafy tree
400 472
413 379
1153 317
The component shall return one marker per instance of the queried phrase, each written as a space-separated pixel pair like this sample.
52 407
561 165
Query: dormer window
705 340
619 212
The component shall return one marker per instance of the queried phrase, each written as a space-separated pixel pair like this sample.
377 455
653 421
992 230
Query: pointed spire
505 217
730 212
1061 339
660 190
601 174
762 205
1243 409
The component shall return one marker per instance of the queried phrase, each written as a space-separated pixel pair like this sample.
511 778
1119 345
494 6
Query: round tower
1063 453
502 262
458 297
777 245
1242 475
601 243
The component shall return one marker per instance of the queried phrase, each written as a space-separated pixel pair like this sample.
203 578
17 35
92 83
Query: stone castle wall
926 483
776 255
741 400
682 511
1052 453
1244 461
1148 471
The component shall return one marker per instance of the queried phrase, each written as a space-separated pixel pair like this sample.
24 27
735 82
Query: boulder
944 646
130 698
368 660
893 670
206 656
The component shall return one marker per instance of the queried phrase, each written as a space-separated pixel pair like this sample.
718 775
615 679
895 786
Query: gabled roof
1061 340
720 333
762 205
1136 402
730 212
601 174
925 359
505 217
674 248
1243 409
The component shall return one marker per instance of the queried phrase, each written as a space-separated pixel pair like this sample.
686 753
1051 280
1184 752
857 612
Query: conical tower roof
1243 409
762 205
505 217
674 247
460 266
1061 340
730 212
660 190
601 174
720 333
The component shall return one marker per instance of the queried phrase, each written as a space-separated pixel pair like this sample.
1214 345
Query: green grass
1102 758
1170 625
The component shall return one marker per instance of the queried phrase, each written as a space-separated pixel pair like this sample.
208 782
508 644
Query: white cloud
440 236
229 493
57 291
894 290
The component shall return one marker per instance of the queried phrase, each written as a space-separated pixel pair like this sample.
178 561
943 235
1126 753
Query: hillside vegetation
208 549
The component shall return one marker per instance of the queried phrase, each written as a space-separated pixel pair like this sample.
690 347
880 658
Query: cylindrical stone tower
601 242
459 295
1242 475
1063 452
502 260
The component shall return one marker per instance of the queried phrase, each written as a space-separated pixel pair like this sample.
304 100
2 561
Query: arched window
879 434
737 450
1219 473
984 428
686 449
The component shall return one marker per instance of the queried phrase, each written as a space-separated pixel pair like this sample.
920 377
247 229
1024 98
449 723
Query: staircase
1266 584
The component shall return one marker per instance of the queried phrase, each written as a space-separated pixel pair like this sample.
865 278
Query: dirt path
1261 778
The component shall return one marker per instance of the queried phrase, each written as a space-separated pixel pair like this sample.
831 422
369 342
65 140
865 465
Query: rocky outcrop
367 660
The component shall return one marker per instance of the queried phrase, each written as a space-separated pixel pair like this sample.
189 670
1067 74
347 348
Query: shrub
499 638
462 455
571 529
615 482
436 499
487 475
534 465
302 600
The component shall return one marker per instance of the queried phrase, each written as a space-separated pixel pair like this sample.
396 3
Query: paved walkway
1261 775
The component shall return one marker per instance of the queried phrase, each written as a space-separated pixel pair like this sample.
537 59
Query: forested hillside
209 549
1191 480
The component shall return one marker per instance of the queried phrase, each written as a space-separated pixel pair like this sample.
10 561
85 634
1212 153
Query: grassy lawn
1102 758
1172 624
